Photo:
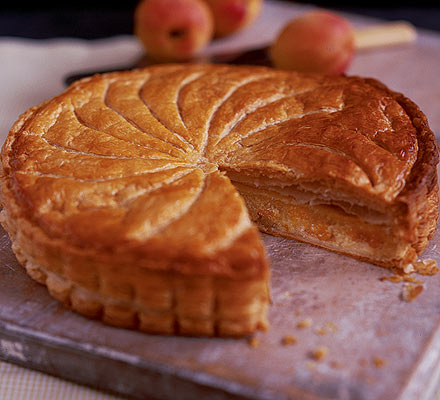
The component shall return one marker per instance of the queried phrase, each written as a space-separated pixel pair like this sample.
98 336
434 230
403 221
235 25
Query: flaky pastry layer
155 301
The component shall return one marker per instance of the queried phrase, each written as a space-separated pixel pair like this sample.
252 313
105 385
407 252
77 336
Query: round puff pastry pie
131 194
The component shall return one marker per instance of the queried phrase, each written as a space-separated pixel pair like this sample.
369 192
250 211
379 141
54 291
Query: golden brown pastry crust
115 194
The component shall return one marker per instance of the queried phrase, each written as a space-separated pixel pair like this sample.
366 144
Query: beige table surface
32 71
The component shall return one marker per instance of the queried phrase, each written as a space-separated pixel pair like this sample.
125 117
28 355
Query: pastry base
159 302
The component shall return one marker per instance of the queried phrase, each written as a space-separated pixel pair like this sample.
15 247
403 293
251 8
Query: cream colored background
31 71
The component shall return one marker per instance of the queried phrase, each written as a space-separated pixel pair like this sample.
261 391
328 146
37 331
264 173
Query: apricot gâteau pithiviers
137 197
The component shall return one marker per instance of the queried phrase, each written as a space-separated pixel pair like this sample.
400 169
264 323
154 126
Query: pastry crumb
253 342
400 271
411 291
331 326
319 353
426 267
379 362
400 278
321 331
263 326
288 340
412 279
305 323
287 294
392 278
326 328
409 269
336 364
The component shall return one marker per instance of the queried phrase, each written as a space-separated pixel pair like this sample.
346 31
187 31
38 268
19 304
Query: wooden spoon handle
388 34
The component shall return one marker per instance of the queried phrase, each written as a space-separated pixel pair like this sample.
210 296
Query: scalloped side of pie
135 196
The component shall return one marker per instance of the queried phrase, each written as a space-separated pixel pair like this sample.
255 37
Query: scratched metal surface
368 321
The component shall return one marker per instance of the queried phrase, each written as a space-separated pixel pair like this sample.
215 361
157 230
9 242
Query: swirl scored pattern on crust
131 194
